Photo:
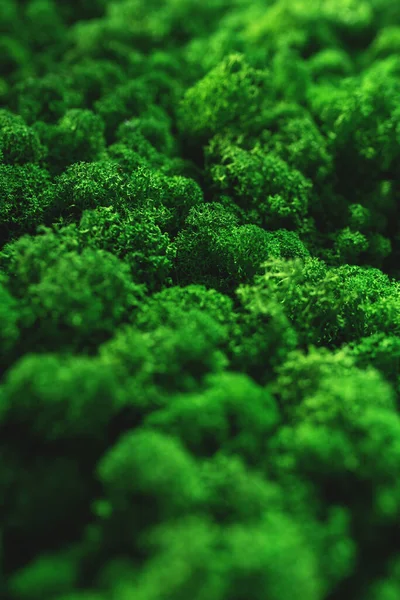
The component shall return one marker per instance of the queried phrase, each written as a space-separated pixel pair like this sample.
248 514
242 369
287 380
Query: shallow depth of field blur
199 300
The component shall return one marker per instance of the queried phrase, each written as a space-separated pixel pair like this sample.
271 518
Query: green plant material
362 121
149 470
228 96
235 492
9 317
328 305
263 184
171 304
77 137
135 238
173 357
228 562
386 43
199 299
81 299
43 99
154 125
44 577
19 143
95 78
81 408
24 199
86 185
330 65
25 260
225 421
295 137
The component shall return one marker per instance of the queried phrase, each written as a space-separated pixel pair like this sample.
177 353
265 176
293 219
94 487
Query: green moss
199 299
